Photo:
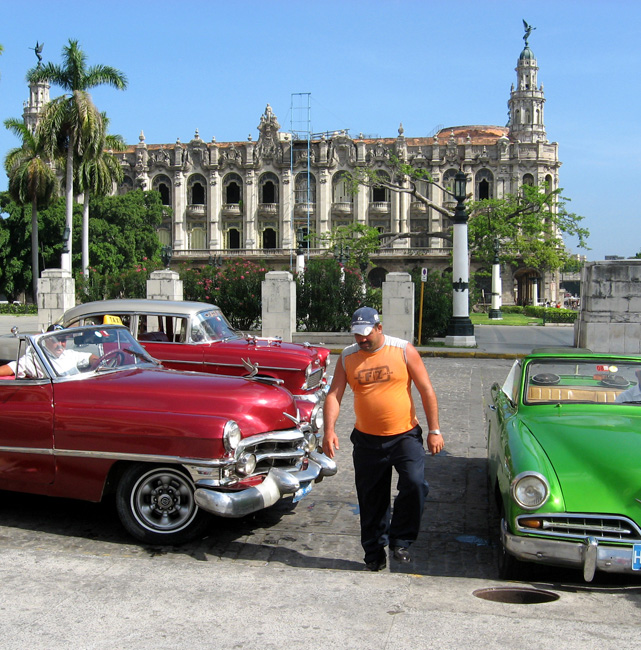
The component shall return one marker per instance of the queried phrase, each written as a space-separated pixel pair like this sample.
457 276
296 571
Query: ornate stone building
250 198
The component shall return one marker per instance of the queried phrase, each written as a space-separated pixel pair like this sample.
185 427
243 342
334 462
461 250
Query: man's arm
421 379
332 408
6 371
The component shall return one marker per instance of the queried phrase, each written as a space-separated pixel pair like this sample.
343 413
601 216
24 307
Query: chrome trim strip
240 365
112 455
287 435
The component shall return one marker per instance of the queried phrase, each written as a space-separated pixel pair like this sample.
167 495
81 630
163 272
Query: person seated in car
63 361
632 394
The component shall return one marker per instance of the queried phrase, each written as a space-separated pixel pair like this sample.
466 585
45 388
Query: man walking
380 370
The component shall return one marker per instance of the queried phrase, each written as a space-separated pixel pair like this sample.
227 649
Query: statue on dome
528 30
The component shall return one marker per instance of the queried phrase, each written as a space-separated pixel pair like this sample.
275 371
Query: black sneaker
401 554
376 565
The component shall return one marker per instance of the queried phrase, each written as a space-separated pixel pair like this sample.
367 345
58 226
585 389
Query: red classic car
197 336
86 411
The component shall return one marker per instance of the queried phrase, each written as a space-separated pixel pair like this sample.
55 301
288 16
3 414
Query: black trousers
374 457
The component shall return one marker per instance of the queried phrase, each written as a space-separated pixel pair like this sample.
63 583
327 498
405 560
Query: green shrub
326 298
18 309
437 305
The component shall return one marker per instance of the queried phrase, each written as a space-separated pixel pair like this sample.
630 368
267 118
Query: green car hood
597 458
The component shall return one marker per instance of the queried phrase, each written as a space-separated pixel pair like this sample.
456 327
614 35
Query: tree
356 241
124 230
529 224
32 181
15 242
72 124
95 176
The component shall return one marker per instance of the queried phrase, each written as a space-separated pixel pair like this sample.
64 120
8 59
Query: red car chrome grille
315 378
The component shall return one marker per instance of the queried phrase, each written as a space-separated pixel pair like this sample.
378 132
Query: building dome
527 54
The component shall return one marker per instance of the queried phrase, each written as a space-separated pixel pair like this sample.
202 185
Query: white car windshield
77 350
210 326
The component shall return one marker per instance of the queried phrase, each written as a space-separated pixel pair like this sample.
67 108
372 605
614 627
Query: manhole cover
516 595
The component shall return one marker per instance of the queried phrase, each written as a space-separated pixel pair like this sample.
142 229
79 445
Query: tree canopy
71 125
529 225
123 234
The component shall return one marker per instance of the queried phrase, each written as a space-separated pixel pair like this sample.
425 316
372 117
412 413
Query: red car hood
256 407
264 351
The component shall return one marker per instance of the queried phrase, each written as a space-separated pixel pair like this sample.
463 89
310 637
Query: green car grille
604 528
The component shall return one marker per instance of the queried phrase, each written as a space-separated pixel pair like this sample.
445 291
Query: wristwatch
436 432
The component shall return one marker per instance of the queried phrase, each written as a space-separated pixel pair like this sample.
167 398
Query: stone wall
610 315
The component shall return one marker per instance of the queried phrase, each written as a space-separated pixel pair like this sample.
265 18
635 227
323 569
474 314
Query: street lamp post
460 331
165 255
341 254
300 251
495 307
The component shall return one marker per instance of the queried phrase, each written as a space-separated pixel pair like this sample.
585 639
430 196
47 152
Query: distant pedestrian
380 370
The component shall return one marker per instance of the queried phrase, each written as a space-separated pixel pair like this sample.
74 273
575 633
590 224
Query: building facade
252 198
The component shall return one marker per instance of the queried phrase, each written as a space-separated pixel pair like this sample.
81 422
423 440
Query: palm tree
32 180
96 175
71 123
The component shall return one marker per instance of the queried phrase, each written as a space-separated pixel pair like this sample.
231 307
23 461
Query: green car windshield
582 381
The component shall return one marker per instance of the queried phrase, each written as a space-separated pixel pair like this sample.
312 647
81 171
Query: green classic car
564 462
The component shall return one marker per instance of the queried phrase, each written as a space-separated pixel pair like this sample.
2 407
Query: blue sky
214 65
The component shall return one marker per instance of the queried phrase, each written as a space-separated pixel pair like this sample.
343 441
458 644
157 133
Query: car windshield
210 326
83 349
599 381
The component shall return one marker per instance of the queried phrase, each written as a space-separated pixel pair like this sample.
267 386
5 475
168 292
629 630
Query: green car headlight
530 490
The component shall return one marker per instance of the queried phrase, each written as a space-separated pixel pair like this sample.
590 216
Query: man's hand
330 444
434 443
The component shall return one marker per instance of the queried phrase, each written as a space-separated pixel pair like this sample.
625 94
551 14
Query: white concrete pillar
56 294
279 305
164 285
398 306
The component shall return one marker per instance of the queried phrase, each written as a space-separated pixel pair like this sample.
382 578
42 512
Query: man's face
372 341
56 346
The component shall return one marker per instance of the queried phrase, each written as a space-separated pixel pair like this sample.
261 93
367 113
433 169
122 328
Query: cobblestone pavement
322 531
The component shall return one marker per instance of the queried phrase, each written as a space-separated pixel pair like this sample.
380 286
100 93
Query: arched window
162 184
380 193
196 190
301 191
341 188
448 183
269 238
233 188
233 238
127 185
528 179
197 238
268 188
484 185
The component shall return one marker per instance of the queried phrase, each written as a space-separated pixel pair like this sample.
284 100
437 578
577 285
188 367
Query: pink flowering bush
236 287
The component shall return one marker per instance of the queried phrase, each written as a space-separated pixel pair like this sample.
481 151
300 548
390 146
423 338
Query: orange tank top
382 388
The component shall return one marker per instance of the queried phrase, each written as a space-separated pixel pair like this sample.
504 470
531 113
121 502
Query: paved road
292 578
490 339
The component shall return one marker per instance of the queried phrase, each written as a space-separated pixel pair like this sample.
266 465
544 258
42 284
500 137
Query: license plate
303 490
636 557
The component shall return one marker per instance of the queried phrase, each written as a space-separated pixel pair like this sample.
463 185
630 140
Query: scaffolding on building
301 134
